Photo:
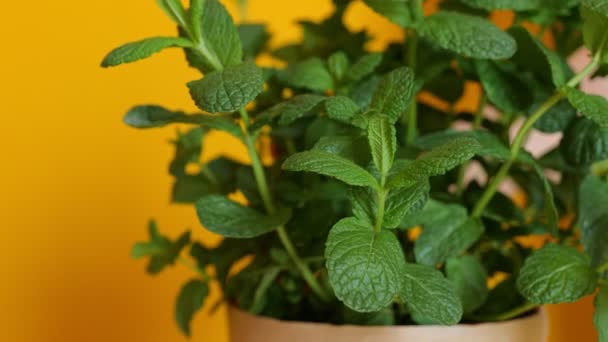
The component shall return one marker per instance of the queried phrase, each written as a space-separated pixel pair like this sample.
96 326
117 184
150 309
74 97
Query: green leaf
533 54
363 92
142 49
431 214
595 20
394 93
551 214
296 107
224 256
310 74
397 11
584 143
447 84
516 5
437 243
364 67
353 148
503 88
189 189
490 145
385 317
556 274
188 149
468 36
219 123
152 116
593 219
502 298
601 314
365 267
600 6
330 165
227 90
173 9
555 119
338 65
593 107
382 139
341 108
405 201
436 162
230 219
470 280
215 177
189 301
162 251
430 296
254 38
218 43
364 204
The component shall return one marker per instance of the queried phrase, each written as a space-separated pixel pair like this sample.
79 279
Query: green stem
518 311
603 268
515 150
479 115
412 114
520 139
264 190
209 174
460 182
492 188
590 67
291 146
417 10
381 209
194 268
477 123
523 134
600 169
412 123
542 31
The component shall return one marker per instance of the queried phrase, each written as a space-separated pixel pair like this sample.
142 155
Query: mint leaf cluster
363 212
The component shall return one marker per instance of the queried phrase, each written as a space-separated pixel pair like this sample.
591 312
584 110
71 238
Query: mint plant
365 214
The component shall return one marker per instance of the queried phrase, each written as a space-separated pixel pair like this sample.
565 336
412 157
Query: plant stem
477 123
194 268
603 268
518 311
600 169
587 70
381 209
460 180
417 10
523 134
264 190
412 114
541 32
491 190
479 115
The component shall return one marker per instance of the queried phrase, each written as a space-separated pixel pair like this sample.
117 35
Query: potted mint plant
366 215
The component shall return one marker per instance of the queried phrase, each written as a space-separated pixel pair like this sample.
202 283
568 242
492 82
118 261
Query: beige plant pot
245 327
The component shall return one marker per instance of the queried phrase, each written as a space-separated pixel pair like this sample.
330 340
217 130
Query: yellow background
77 187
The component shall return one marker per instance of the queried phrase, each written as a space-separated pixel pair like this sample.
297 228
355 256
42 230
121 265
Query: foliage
364 215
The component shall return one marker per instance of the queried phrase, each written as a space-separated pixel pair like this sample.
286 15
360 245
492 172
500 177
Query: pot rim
539 313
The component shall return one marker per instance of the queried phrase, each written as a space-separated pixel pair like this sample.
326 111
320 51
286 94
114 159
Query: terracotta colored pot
248 328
